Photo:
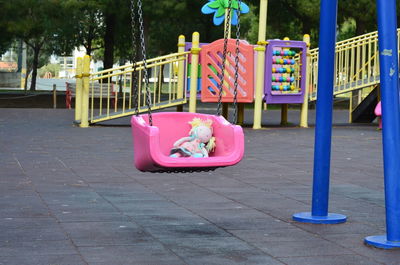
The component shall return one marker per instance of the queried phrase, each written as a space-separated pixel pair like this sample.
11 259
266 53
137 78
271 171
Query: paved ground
72 196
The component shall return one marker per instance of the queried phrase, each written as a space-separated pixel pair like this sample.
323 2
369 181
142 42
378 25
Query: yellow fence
356 65
121 91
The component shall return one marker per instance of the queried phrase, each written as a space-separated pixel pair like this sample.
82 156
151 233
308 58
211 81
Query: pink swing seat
152 144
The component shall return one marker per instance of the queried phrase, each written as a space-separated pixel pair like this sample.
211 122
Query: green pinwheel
218 7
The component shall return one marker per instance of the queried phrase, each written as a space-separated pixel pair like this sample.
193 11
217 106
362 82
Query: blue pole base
381 242
331 218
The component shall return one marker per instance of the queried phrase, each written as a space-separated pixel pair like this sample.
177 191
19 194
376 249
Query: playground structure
356 78
110 94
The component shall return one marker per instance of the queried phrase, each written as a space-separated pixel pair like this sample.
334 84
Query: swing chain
221 82
134 87
145 73
235 104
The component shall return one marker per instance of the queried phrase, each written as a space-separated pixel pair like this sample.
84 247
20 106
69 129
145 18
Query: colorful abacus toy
283 70
285 66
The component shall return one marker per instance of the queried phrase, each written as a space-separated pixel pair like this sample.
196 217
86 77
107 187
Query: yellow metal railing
112 94
356 65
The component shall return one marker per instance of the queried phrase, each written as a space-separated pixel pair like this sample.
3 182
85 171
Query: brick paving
71 196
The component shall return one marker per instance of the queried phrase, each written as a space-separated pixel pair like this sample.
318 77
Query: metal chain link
134 87
235 105
221 83
145 73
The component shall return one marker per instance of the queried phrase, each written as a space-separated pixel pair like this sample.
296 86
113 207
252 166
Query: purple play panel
284 80
188 46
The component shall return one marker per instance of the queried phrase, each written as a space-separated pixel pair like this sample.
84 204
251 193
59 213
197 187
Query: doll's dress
185 152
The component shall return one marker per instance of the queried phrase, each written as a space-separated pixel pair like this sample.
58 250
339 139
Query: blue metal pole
388 55
323 128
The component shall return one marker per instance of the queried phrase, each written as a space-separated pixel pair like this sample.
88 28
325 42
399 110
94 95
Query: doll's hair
211 145
196 122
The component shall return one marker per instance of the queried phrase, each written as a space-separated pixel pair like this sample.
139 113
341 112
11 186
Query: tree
113 16
97 24
38 24
54 69
363 12
41 60
293 19
85 23
6 37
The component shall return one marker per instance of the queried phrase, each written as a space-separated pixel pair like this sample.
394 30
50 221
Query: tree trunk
360 27
89 44
28 70
89 48
109 41
35 64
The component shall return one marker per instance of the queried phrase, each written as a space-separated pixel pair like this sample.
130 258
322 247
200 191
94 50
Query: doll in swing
199 143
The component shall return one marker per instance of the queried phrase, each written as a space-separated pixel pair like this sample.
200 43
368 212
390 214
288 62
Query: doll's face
203 133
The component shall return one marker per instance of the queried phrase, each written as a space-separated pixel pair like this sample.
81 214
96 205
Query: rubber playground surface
71 196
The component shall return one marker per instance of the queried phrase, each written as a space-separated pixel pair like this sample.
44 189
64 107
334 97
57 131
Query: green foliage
98 54
9 56
249 25
293 19
43 58
363 12
5 43
6 36
347 29
85 23
54 69
34 21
